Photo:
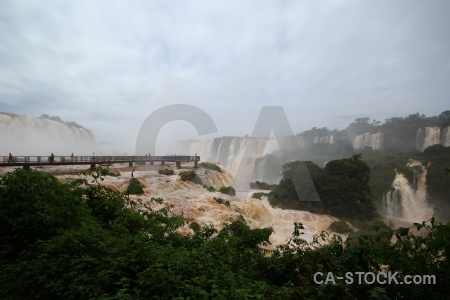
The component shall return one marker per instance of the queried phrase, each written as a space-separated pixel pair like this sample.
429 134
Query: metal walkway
28 161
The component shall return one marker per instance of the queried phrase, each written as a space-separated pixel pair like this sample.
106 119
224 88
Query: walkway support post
93 167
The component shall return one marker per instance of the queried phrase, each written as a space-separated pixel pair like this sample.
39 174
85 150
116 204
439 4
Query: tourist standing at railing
93 156
52 157
71 156
11 158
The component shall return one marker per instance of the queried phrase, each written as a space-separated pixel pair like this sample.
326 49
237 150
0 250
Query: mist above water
28 135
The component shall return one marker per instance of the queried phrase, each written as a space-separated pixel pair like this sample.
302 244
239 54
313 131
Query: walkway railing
27 161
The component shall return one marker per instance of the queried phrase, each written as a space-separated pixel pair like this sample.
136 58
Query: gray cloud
108 65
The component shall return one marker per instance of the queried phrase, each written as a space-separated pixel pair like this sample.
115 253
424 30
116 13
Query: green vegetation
341 226
190 176
382 166
438 187
228 190
219 200
210 166
83 241
342 187
209 188
167 172
134 187
259 195
257 185
106 171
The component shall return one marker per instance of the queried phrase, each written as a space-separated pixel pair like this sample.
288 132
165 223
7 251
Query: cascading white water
373 140
245 157
446 136
28 135
242 156
405 202
432 136
324 140
230 152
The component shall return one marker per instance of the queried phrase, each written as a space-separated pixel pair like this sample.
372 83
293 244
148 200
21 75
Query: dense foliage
438 187
83 241
342 186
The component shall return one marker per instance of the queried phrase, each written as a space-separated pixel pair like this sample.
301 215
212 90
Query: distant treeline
399 133
58 119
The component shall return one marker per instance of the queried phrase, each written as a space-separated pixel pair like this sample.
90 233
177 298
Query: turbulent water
28 135
197 204
408 201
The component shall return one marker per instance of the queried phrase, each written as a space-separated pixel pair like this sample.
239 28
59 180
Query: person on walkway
52 157
71 156
93 156
11 158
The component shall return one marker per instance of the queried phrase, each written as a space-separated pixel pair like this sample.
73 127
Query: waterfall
324 140
408 201
28 135
247 158
446 136
372 140
430 136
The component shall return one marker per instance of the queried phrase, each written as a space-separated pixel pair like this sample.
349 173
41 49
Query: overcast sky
109 64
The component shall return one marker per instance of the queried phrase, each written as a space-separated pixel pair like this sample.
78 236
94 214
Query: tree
445 115
342 187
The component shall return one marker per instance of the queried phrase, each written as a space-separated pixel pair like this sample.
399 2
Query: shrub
103 171
258 185
259 195
134 187
187 175
228 190
210 166
166 172
219 200
190 176
341 227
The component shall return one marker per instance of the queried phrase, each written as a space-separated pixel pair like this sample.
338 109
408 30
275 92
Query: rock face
28 135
